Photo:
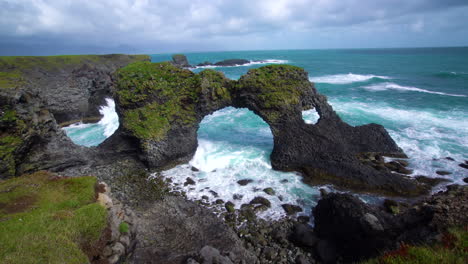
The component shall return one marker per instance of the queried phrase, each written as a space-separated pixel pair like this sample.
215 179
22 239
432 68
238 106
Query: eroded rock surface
162 106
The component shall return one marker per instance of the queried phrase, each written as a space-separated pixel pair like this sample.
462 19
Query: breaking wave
394 86
346 78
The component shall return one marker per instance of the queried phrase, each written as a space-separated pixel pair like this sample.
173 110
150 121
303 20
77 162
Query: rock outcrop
225 63
179 60
38 93
354 230
72 87
162 106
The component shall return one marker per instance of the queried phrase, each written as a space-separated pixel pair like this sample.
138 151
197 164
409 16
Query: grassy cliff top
47 219
275 86
14 69
155 96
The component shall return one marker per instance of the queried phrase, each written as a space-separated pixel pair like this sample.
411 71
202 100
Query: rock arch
161 107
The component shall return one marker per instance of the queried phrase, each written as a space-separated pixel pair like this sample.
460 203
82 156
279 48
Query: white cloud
128 22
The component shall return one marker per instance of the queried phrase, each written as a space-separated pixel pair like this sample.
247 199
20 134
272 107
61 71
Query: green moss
124 228
453 249
276 86
47 220
8 146
10 140
155 96
11 79
216 84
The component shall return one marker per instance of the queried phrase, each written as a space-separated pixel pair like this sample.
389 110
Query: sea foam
346 78
393 86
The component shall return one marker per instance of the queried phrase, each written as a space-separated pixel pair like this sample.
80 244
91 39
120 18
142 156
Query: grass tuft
453 249
48 220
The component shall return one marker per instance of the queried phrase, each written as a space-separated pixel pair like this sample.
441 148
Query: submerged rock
269 191
261 201
244 182
442 172
291 209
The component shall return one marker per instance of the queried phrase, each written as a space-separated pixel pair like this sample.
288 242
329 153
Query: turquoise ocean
419 95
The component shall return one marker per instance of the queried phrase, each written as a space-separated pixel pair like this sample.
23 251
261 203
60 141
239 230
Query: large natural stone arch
161 107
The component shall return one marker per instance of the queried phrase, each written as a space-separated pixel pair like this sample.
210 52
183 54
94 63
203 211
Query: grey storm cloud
218 24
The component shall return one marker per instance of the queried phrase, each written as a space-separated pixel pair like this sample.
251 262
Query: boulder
211 255
269 191
244 182
260 201
291 209
303 235
355 230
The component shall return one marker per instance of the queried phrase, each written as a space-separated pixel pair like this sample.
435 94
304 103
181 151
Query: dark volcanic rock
174 229
269 191
304 236
261 201
463 165
291 209
359 231
354 228
430 181
244 182
442 172
232 62
179 60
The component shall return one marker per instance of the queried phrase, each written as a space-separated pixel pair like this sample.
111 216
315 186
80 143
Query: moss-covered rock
11 133
275 86
155 96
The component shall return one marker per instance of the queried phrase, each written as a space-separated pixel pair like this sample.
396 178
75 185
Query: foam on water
426 136
242 152
393 86
345 78
94 134
310 116
252 62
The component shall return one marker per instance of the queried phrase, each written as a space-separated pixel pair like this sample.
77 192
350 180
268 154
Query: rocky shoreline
168 228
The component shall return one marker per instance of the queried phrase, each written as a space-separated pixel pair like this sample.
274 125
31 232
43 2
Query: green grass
48 220
453 249
124 227
14 69
156 95
276 86
10 140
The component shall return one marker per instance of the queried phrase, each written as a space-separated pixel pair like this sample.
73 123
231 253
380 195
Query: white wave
345 78
426 136
110 119
394 86
252 62
310 116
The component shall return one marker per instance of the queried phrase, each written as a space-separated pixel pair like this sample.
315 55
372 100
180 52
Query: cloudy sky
41 27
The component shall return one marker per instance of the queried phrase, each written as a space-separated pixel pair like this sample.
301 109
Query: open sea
419 95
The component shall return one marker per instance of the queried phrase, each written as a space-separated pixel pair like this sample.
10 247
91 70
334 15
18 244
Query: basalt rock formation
37 93
161 107
357 230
